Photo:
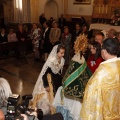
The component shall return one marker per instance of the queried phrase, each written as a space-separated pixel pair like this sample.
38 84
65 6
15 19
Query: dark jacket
75 35
46 41
3 38
20 35
61 22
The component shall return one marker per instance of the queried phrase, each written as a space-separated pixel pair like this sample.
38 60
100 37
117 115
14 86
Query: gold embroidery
102 96
51 94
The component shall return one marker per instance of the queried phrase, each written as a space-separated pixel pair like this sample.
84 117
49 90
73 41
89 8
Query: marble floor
21 74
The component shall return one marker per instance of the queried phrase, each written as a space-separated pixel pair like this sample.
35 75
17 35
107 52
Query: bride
69 96
48 81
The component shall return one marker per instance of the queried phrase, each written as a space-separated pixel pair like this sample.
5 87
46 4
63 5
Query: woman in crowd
102 93
84 30
95 56
68 97
35 36
65 41
99 37
12 36
51 71
112 33
55 33
3 36
51 22
21 36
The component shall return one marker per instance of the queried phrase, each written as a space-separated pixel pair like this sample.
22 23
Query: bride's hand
47 89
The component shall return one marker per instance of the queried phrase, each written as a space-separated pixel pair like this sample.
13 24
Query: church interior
22 73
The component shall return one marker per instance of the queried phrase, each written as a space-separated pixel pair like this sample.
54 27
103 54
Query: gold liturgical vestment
102 94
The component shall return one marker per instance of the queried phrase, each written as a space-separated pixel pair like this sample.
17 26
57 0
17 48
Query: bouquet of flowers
115 19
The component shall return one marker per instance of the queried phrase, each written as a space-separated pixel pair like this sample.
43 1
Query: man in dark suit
3 36
76 32
46 41
42 19
61 22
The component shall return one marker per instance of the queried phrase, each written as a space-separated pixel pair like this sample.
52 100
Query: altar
98 26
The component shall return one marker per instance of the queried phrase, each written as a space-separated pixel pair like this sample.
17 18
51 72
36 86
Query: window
19 4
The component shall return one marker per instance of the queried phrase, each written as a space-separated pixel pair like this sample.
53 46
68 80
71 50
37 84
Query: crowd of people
90 87
43 36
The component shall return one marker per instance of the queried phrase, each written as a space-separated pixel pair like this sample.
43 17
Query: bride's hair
60 47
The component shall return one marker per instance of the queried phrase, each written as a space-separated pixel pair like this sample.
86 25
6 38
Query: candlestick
106 9
99 9
103 9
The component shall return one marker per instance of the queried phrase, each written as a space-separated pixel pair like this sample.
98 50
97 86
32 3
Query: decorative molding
82 2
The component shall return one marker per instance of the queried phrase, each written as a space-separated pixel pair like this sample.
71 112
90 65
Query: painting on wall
82 2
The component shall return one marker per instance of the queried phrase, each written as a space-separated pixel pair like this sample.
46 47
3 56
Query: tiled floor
21 74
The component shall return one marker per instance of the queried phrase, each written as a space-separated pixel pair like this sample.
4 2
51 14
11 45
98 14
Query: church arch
51 9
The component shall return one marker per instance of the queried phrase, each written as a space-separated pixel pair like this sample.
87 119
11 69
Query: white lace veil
39 88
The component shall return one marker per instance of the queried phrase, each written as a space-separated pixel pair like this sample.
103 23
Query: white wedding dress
40 95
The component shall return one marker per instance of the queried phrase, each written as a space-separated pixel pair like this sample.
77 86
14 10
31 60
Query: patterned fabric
102 94
93 64
54 35
65 112
51 94
55 66
70 109
35 36
68 97
75 80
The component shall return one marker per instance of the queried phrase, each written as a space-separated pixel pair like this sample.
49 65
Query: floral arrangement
115 17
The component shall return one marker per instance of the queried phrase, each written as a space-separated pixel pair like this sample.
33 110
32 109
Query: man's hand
47 89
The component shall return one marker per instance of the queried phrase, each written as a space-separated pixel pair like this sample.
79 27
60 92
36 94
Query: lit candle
106 8
99 9
103 9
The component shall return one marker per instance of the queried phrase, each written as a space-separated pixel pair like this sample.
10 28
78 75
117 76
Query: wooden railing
7 48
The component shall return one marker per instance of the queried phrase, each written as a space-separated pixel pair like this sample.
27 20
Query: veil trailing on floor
40 95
